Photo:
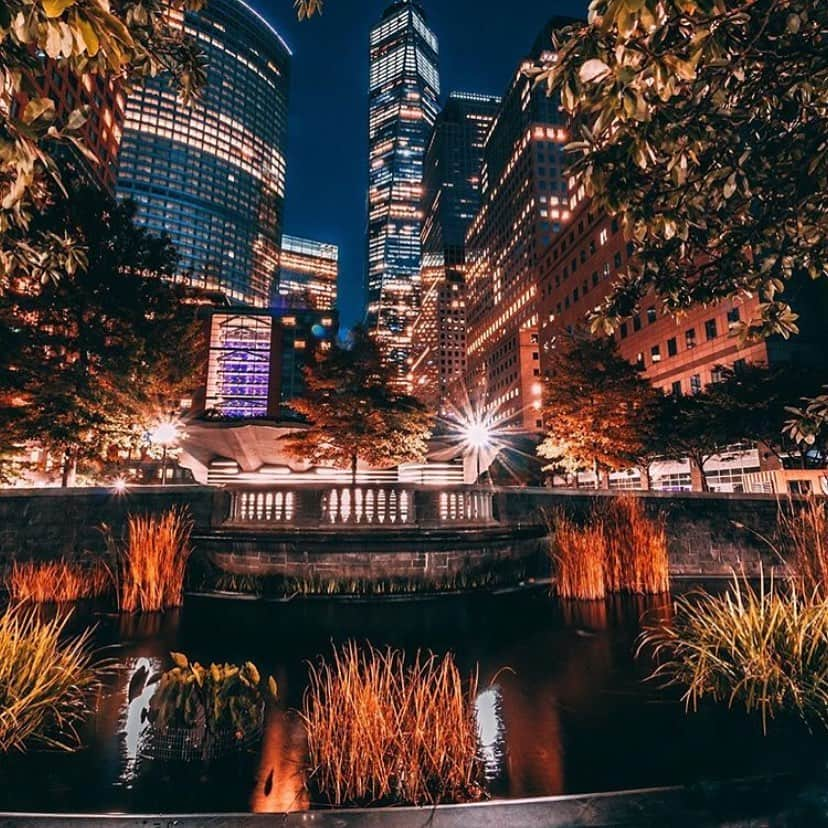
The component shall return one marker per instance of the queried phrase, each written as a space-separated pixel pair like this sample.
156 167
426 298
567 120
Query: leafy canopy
355 413
93 359
598 409
703 124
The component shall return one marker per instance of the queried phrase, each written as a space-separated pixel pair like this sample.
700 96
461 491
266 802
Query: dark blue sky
481 44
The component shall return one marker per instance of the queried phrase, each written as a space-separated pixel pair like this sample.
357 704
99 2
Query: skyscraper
524 204
451 199
213 175
308 274
404 93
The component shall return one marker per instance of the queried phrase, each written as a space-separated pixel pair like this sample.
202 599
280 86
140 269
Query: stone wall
53 523
709 534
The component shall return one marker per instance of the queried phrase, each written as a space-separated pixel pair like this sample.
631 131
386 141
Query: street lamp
164 435
477 435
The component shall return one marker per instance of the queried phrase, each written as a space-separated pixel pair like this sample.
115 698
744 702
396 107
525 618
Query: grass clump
154 563
763 648
620 549
385 731
55 582
46 681
804 530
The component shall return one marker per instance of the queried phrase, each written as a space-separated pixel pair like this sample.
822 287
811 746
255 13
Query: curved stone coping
735 804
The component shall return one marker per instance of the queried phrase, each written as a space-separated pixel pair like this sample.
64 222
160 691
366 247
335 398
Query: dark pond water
562 707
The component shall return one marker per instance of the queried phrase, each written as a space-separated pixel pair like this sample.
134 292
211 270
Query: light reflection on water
561 705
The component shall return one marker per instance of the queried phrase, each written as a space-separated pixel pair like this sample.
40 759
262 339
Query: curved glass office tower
404 93
212 175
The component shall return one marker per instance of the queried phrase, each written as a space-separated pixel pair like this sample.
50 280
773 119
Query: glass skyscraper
404 101
451 199
308 274
212 175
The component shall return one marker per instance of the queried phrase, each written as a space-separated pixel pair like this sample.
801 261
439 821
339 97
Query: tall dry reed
804 530
620 548
55 582
381 730
154 562
764 648
46 681
579 554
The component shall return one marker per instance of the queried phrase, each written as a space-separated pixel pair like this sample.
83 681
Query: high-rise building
101 132
212 175
524 205
257 357
404 93
451 199
308 274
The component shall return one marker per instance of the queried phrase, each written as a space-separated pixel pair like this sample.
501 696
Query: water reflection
280 780
134 724
491 732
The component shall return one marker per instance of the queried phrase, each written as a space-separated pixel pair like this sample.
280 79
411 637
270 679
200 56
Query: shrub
804 531
57 581
763 648
46 681
154 562
381 730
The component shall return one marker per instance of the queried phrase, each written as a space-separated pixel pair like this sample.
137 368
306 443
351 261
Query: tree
92 357
702 124
807 426
354 412
132 41
598 409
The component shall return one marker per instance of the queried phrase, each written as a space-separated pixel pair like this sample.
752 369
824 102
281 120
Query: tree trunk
646 479
70 466
354 464
700 483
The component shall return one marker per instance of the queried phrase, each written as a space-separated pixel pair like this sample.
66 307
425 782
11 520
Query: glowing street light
119 485
477 435
166 435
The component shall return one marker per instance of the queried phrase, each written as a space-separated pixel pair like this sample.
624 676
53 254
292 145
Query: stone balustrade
359 507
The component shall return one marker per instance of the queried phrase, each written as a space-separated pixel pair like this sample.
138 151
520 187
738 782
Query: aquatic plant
579 555
382 730
764 648
47 681
804 532
154 562
48 582
620 548
220 698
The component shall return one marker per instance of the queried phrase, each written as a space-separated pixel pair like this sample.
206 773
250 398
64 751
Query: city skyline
327 179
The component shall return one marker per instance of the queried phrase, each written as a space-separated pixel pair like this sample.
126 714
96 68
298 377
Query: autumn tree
598 409
92 357
703 125
355 413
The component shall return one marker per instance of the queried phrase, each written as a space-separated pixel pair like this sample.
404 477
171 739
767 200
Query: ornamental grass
56 582
154 562
580 556
47 681
762 648
382 730
620 549
804 531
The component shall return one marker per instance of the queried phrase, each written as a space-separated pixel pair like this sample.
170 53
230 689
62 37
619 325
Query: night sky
481 44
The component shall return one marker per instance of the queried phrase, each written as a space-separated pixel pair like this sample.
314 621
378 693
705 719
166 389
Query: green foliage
223 698
308 8
93 359
138 39
808 425
765 649
702 124
355 413
46 681
598 409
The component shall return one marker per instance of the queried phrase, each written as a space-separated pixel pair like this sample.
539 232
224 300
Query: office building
524 205
308 274
404 93
451 199
212 175
257 357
